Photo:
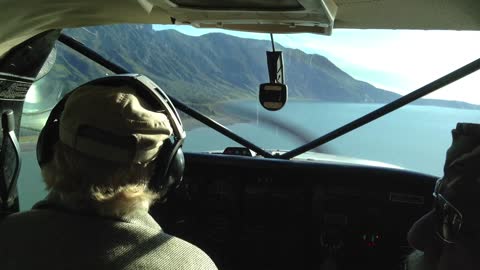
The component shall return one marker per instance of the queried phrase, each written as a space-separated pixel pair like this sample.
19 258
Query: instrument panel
270 214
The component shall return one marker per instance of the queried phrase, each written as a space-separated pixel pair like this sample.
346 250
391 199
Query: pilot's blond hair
110 189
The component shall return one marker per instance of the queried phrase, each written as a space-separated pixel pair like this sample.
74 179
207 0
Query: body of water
414 137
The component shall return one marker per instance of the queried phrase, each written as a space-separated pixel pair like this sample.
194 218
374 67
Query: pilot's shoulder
188 255
16 219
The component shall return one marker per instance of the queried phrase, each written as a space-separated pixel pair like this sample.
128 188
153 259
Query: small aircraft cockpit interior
315 130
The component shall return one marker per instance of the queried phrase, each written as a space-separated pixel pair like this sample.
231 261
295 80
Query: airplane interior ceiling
26 18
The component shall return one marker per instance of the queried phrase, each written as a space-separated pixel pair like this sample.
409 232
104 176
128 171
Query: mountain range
215 67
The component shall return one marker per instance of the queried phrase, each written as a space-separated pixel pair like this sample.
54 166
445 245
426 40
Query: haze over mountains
216 67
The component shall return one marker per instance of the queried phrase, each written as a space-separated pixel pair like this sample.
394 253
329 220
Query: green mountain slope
216 67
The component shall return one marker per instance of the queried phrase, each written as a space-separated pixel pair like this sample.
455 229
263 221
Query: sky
396 60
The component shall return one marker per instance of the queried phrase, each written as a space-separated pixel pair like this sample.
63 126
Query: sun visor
269 16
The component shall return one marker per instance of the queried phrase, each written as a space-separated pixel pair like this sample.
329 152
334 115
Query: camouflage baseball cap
113 123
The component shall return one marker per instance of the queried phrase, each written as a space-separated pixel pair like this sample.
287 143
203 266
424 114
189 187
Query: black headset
170 161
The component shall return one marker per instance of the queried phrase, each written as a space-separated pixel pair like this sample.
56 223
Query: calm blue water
415 137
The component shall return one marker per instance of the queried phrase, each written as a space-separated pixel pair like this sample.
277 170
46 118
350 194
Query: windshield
331 80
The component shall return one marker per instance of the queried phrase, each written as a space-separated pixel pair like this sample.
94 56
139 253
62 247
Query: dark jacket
55 239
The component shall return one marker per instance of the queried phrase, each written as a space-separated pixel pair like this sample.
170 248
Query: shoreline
218 116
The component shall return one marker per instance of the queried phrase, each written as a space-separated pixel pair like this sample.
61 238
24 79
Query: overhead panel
265 5
269 16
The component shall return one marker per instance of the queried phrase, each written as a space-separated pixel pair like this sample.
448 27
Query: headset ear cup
176 169
49 135
169 166
47 138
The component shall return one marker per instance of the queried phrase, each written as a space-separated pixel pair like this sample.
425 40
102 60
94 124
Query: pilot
101 158
448 236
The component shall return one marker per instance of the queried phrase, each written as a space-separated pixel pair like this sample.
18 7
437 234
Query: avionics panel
271 214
